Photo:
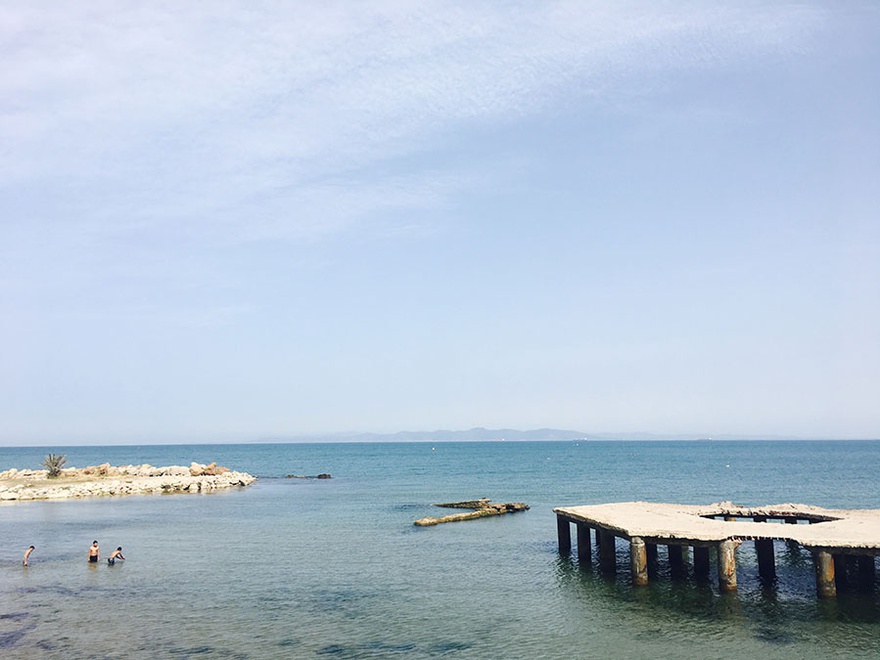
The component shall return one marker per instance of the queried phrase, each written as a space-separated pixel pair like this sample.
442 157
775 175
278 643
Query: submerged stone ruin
480 509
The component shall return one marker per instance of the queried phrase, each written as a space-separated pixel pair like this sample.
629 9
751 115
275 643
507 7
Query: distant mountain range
484 435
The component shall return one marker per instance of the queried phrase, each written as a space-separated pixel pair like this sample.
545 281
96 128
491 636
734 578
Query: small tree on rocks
54 463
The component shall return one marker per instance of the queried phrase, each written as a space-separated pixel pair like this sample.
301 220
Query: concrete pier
676 555
563 535
843 543
826 587
607 551
583 543
766 558
867 570
701 561
651 553
638 560
727 565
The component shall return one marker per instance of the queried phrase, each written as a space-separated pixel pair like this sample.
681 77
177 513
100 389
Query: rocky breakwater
107 480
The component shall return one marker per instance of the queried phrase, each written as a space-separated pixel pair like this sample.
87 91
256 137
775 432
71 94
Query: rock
481 509
466 504
107 480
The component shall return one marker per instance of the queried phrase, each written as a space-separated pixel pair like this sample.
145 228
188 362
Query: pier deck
831 535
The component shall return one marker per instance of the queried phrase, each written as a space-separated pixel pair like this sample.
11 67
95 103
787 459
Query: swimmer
27 553
94 553
116 554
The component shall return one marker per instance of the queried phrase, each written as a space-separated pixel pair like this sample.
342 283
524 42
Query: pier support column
638 561
852 567
824 563
840 574
701 561
583 543
867 572
766 558
676 560
794 546
651 554
727 566
563 533
607 552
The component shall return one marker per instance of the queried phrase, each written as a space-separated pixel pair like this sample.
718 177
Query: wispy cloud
190 113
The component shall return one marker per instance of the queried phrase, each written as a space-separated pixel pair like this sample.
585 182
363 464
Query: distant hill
482 434
440 435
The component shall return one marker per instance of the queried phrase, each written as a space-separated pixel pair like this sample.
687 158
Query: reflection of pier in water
843 543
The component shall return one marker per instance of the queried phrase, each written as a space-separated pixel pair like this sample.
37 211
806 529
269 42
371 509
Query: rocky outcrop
323 475
481 508
107 480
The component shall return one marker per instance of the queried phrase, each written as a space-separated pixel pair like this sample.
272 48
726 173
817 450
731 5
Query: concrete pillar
766 558
583 542
638 561
792 545
840 576
651 553
867 572
760 518
824 564
701 561
729 518
727 566
676 560
607 552
563 533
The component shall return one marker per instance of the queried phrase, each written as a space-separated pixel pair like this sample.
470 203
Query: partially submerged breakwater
112 481
479 509
844 543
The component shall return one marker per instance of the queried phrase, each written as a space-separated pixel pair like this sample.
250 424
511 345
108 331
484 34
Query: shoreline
116 481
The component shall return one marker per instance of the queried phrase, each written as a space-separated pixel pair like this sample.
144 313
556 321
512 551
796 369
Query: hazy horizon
440 436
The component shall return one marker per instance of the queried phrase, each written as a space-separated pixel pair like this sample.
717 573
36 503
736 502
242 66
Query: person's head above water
94 543
119 548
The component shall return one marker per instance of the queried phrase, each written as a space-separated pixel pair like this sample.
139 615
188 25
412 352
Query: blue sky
250 219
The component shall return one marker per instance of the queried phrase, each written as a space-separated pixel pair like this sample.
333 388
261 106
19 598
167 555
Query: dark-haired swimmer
94 553
27 553
116 554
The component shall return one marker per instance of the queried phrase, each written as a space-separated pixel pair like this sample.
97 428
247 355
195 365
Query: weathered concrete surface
481 509
853 530
107 480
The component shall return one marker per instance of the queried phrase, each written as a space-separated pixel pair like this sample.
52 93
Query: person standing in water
94 553
116 554
27 553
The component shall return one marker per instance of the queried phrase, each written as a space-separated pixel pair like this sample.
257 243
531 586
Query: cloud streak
173 112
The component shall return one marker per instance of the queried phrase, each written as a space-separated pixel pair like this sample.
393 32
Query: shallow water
335 568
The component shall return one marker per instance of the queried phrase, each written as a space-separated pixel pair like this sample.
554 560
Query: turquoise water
336 569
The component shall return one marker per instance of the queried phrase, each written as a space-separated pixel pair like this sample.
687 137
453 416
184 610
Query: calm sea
336 569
